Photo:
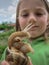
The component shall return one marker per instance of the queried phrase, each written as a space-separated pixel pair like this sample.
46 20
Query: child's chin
35 36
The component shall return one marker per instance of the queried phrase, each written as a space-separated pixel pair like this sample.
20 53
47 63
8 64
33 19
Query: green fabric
41 52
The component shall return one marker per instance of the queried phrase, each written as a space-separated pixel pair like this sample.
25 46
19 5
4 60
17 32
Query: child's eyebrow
36 9
40 8
24 9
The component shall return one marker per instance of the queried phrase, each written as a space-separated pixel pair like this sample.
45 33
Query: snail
17 49
15 40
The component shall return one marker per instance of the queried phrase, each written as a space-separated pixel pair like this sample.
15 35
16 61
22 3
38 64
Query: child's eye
38 14
25 15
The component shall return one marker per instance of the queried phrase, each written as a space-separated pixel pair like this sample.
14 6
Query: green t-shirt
41 52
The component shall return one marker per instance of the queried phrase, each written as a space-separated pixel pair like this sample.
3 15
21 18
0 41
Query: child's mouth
33 28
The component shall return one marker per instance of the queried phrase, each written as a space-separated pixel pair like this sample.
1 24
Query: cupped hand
4 63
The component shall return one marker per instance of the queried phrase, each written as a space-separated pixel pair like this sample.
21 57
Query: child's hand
29 61
17 58
4 63
7 63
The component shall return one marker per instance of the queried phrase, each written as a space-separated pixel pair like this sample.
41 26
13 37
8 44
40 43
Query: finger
29 61
4 63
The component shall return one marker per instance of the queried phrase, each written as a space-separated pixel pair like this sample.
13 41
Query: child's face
33 11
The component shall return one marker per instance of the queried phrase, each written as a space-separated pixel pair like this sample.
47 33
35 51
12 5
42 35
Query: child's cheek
22 23
43 20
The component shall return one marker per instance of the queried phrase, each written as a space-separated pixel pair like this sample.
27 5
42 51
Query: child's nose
32 18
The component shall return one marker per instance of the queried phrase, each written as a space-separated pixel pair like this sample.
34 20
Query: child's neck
31 39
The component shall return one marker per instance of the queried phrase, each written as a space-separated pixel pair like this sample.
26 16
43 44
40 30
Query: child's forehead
31 4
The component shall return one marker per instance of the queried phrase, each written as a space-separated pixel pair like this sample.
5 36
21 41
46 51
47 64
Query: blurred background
7 21
7 10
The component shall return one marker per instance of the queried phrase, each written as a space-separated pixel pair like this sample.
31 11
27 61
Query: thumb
4 63
29 61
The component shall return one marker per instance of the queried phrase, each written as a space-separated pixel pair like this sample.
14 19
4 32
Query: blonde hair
46 35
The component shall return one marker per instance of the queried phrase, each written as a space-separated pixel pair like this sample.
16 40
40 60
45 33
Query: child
32 16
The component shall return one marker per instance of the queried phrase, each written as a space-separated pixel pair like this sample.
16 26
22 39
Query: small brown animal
17 49
15 40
